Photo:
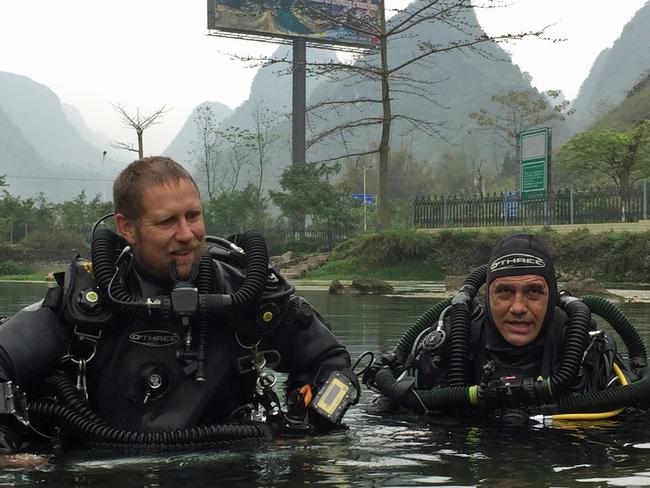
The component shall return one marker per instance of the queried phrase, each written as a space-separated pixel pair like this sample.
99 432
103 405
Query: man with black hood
520 333
522 325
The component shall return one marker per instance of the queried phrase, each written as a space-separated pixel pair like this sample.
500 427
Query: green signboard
535 163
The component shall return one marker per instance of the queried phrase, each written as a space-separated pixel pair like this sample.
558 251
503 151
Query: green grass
23 277
351 268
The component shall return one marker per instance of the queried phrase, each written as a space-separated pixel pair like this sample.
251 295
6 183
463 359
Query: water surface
376 451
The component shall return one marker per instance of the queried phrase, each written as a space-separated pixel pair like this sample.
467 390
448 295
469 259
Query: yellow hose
596 415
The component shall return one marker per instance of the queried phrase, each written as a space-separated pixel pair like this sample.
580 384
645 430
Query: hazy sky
149 53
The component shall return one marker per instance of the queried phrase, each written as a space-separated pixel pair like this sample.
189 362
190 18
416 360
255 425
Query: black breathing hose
103 253
78 418
426 320
636 349
106 245
257 270
461 310
615 397
576 341
79 421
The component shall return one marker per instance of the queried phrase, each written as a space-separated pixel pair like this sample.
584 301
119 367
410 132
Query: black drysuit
136 382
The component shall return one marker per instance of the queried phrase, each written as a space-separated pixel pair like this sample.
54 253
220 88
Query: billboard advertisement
326 21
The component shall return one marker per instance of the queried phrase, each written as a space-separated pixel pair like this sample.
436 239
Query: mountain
441 90
615 71
96 139
634 109
56 148
271 88
27 174
180 147
270 91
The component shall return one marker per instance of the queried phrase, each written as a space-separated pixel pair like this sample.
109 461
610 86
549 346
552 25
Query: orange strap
307 395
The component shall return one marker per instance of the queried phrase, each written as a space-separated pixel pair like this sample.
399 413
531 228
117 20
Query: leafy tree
233 211
519 111
622 156
308 192
16 213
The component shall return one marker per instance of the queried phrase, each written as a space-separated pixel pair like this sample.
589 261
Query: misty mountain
450 85
96 139
615 71
27 174
54 146
270 90
272 87
181 146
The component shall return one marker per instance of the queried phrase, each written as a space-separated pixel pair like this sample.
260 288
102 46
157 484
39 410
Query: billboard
326 21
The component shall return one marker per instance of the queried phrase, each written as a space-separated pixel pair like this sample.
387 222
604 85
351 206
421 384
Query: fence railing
327 238
565 206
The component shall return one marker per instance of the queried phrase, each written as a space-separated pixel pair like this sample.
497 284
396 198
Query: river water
376 452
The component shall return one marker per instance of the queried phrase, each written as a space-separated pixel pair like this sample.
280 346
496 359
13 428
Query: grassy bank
613 256
24 277
351 268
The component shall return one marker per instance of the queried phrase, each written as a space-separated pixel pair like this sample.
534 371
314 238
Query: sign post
535 169
535 163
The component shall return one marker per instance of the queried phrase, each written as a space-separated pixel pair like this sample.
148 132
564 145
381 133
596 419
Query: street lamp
104 176
365 204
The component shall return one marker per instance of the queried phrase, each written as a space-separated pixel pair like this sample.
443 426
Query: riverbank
436 289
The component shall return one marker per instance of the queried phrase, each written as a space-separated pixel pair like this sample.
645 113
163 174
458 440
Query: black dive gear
164 371
399 374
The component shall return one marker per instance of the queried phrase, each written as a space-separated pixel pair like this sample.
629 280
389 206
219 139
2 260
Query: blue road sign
366 198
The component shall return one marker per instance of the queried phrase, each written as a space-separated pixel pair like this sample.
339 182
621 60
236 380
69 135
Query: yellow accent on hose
596 415
473 395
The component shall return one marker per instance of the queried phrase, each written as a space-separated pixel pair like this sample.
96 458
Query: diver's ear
125 227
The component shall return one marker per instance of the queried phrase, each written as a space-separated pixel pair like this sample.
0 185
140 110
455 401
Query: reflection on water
377 452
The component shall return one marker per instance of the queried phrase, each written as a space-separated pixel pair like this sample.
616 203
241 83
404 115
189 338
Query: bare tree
394 79
238 147
206 150
139 122
262 139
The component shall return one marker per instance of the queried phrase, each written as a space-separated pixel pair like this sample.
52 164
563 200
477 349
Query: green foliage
630 112
308 192
387 248
12 268
622 156
458 252
352 268
69 240
454 171
234 211
610 256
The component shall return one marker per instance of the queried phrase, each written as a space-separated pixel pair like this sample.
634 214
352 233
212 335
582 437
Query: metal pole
571 204
104 176
299 102
365 224
645 199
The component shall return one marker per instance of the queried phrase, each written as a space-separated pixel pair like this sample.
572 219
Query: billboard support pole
298 101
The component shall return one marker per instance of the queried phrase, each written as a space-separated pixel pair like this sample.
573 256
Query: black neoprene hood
523 254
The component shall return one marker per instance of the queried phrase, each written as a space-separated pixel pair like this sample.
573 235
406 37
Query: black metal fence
566 206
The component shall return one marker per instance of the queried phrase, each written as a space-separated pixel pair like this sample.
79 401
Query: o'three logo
517 260
154 338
